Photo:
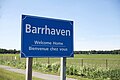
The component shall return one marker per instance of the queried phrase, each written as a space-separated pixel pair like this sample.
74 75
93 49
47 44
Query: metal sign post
63 69
29 68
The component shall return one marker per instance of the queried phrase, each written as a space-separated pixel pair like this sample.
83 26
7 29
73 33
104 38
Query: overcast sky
96 22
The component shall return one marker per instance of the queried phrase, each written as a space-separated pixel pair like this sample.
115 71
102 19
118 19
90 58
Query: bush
72 70
55 67
114 74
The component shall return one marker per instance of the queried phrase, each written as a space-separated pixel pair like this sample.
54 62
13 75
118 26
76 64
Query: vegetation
85 72
98 52
5 51
90 68
14 51
97 56
8 75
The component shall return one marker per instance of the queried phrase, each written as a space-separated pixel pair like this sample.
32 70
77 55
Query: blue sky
96 22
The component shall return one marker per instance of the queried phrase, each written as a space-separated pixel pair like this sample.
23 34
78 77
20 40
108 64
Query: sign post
63 69
28 68
46 37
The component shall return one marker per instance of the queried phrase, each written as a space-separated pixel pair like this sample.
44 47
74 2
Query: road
35 74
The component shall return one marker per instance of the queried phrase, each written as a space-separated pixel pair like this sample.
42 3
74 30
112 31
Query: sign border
21 52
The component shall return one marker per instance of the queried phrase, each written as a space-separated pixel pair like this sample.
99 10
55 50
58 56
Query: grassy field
80 55
93 60
97 56
81 66
96 60
7 75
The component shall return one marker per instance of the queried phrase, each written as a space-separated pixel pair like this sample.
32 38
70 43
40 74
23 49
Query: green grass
8 75
93 60
79 60
10 55
112 56
78 77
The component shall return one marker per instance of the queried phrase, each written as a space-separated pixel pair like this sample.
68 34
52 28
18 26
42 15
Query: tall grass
85 71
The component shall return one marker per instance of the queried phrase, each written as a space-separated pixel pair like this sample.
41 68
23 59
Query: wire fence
88 62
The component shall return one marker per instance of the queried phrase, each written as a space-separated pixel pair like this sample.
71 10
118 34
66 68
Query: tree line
14 51
98 52
10 51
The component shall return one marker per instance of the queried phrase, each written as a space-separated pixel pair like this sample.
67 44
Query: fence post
106 63
48 60
82 62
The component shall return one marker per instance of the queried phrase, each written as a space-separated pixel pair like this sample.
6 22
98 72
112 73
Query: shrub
72 70
55 67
